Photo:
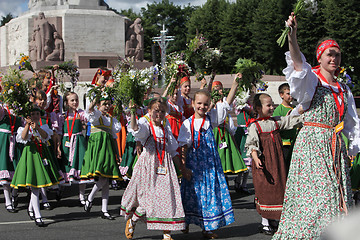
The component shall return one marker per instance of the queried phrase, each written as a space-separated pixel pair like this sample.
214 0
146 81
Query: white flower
132 74
10 91
104 95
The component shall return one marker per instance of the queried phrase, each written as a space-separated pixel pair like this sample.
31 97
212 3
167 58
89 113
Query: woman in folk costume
10 153
184 100
153 193
230 156
101 157
73 142
36 168
318 188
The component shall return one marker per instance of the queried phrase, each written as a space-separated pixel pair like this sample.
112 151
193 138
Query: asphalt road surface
67 220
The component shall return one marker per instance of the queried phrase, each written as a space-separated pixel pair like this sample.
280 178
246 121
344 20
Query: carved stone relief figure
139 31
130 46
58 52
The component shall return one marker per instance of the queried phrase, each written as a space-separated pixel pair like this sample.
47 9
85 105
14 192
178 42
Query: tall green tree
6 19
265 31
236 33
173 17
206 20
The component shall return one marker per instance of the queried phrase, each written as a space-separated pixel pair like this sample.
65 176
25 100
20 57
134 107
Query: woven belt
337 170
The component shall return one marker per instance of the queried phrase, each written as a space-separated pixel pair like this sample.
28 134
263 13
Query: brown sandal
209 235
128 234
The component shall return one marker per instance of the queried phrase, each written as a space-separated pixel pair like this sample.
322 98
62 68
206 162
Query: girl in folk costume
101 157
264 145
10 153
231 159
100 78
184 100
318 188
36 168
175 113
52 120
73 142
243 121
154 190
204 190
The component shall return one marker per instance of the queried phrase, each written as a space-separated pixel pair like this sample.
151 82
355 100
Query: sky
16 7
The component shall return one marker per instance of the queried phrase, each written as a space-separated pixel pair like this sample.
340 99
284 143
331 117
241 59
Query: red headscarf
184 79
216 83
101 72
325 45
321 49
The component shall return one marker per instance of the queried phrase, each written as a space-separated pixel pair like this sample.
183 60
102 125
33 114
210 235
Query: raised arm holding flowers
319 161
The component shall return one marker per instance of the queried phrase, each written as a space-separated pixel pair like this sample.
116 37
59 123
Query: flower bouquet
68 68
133 84
217 96
252 72
298 7
15 92
344 77
175 67
25 63
203 57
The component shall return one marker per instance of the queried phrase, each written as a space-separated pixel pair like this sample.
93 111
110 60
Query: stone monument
135 45
55 30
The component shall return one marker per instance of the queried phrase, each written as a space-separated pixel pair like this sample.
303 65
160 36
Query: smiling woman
318 188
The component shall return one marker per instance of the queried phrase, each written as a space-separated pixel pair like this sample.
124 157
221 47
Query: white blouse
144 132
303 86
217 116
94 119
34 133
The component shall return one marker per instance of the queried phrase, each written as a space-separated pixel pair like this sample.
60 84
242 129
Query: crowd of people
175 152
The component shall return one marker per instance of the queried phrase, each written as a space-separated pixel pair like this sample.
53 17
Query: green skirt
127 162
231 159
100 157
34 171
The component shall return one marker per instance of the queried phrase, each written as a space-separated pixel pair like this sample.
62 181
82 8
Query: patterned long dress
315 195
206 197
152 197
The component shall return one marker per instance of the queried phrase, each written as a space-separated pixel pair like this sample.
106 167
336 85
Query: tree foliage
249 29
6 19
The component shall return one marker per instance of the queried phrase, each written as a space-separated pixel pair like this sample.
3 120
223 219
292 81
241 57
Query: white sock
99 184
265 222
82 188
132 224
35 203
7 195
167 235
105 197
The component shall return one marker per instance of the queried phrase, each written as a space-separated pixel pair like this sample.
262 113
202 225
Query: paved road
69 221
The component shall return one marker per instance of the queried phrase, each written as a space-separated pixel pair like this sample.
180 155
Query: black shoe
15 201
31 214
245 191
10 208
106 215
39 222
267 230
87 206
47 206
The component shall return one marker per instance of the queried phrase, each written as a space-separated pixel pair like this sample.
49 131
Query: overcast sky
16 7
